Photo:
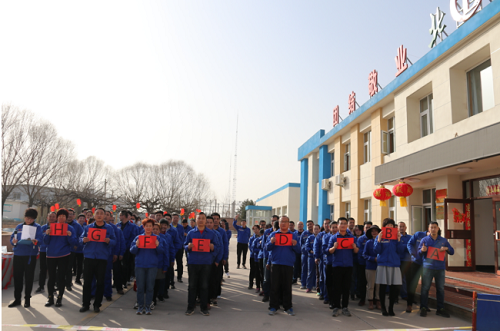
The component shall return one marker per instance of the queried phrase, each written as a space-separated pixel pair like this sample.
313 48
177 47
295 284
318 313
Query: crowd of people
337 261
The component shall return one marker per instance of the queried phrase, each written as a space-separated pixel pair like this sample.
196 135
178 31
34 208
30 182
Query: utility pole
234 169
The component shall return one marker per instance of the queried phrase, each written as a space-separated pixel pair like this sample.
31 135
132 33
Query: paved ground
239 308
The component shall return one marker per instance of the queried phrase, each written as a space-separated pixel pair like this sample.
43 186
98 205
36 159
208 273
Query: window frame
387 137
367 206
429 112
367 147
347 209
469 90
332 164
347 157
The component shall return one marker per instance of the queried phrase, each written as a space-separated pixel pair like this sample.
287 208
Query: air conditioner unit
340 180
325 184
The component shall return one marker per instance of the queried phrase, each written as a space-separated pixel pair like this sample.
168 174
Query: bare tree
49 155
16 125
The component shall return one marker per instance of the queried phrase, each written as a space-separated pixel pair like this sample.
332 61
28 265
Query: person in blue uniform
243 236
42 276
24 261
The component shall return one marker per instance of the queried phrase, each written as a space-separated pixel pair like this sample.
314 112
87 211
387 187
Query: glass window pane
480 88
390 123
423 125
424 105
427 196
487 88
431 100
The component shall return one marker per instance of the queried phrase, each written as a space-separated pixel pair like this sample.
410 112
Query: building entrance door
496 233
459 230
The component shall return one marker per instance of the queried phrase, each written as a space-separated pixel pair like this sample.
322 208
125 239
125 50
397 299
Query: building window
332 212
15 196
480 88
366 147
388 138
347 157
392 207
426 125
347 209
332 166
368 211
278 211
285 210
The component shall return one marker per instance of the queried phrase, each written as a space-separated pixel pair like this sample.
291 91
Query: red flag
198 210
52 208
147 215
57 206
137 205
182 211
93 210
78 202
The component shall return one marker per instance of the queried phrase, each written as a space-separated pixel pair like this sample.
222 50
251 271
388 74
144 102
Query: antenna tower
233 196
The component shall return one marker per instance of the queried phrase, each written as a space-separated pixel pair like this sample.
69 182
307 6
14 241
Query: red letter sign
390 233
435 254
98 235
345 243
284 239
201 245
147 242
58 229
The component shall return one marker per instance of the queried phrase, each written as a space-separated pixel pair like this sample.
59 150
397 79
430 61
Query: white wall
483 227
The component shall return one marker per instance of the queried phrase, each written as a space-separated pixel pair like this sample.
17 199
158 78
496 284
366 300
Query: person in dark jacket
58 256
78 262
225 252
243 236
342 264
430 249
169 241
388 267
96 255
199 263
415 268
361 275
24 262
51 218
311 264
282 259
405 261
146 266
74 249
370 257
130 231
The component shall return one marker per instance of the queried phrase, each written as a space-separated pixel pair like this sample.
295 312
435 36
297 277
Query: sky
152 81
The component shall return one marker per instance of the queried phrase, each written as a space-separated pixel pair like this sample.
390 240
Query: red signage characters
335 115
373 83
390 233
435 253
283 239
352 102
148 242
401 60
58 229
464 11
98 235
201 245
345 243
493 190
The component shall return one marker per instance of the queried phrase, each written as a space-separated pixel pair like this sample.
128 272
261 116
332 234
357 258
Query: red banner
435 253
98 235
283 239
148 242
390 233
345 243
201 245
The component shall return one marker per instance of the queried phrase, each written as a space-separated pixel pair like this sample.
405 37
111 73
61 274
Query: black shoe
109 298
40 289
205 313
160 299
244 266
321 298
50 302
238 266
59 302
96 309
423 312
166 296
265 299
27 303
353 297
84 309
79 282
326 302
120 292
179 280
15 303
68 288
391 312
442 312
189 312
172 287
250 287
384 312
331 306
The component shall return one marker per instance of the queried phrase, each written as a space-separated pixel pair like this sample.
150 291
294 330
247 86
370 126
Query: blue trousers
311 274
321 268
266 284
305 270
296 267
427 276
145 279
108 289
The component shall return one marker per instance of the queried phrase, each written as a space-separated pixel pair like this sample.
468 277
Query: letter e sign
98 235
435 254
390 233
345 243
284 239
201 245
148 242
58 229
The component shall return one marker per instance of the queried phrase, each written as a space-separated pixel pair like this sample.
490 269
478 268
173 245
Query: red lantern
382 194
191 215
182 211
165 212
93 210
57 206
78 202
147 215
402 190
52 208
198 211
114 207
137 205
